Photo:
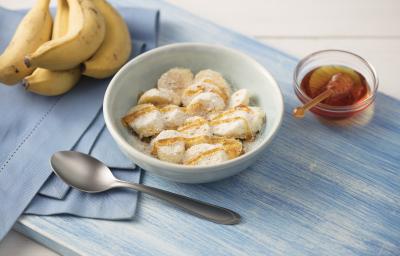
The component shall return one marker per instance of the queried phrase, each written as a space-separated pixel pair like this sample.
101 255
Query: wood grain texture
319 189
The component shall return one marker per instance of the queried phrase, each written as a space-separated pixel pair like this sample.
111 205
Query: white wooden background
370 28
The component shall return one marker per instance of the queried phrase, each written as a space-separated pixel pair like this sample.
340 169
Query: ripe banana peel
116 47
33 31
86 31
51 83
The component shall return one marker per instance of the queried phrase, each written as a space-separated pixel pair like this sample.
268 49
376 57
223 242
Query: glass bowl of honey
313 73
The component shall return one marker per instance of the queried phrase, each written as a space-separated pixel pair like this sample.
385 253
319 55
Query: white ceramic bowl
141 74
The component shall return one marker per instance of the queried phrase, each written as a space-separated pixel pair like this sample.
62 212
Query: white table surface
369 28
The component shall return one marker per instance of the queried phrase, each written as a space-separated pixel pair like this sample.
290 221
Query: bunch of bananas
88 37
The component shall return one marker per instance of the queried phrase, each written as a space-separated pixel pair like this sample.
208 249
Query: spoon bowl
82 172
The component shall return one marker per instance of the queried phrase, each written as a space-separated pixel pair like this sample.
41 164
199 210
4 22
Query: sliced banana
205 154
204 103
169 146
173 116
241 122
236 127
195 89
257 118
215 78
232 147
176 80
159 97
240 97
195 126
145 119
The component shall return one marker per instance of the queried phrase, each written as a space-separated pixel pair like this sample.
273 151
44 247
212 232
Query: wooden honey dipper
340 84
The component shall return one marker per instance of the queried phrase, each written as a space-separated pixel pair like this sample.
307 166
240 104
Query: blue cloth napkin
33 127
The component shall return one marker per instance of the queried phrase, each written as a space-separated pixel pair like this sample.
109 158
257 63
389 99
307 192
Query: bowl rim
121 141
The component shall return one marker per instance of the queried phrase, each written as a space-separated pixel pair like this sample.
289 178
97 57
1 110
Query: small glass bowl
342 58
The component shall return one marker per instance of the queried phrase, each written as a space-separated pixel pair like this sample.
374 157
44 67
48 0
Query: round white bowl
141 74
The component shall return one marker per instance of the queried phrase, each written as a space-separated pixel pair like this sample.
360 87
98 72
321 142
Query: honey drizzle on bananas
204 154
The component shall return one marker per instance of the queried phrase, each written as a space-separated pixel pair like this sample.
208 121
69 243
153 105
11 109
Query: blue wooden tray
321 188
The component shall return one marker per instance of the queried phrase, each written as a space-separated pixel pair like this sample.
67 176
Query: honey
325 75
315 82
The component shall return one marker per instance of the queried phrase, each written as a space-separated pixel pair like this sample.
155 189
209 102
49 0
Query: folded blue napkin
33 127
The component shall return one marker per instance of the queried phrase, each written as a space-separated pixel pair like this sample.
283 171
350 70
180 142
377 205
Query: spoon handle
198 208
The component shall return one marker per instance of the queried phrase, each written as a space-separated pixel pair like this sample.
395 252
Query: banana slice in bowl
215 78
204 103
195 126
145 119
159 97
176 80
195 89
173 115
205 154
240 97
241 122
169 146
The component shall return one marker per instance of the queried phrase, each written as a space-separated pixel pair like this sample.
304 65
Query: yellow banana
60 26
34 30
51 83
116 47
86 30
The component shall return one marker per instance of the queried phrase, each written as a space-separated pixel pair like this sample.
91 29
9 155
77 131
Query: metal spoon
88 174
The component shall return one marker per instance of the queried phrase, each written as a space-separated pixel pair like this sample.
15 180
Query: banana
34 30
176 80
60 26
51 83
240 97
86 30
116 47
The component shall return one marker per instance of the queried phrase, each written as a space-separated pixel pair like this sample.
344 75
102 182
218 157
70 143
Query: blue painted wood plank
320 188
